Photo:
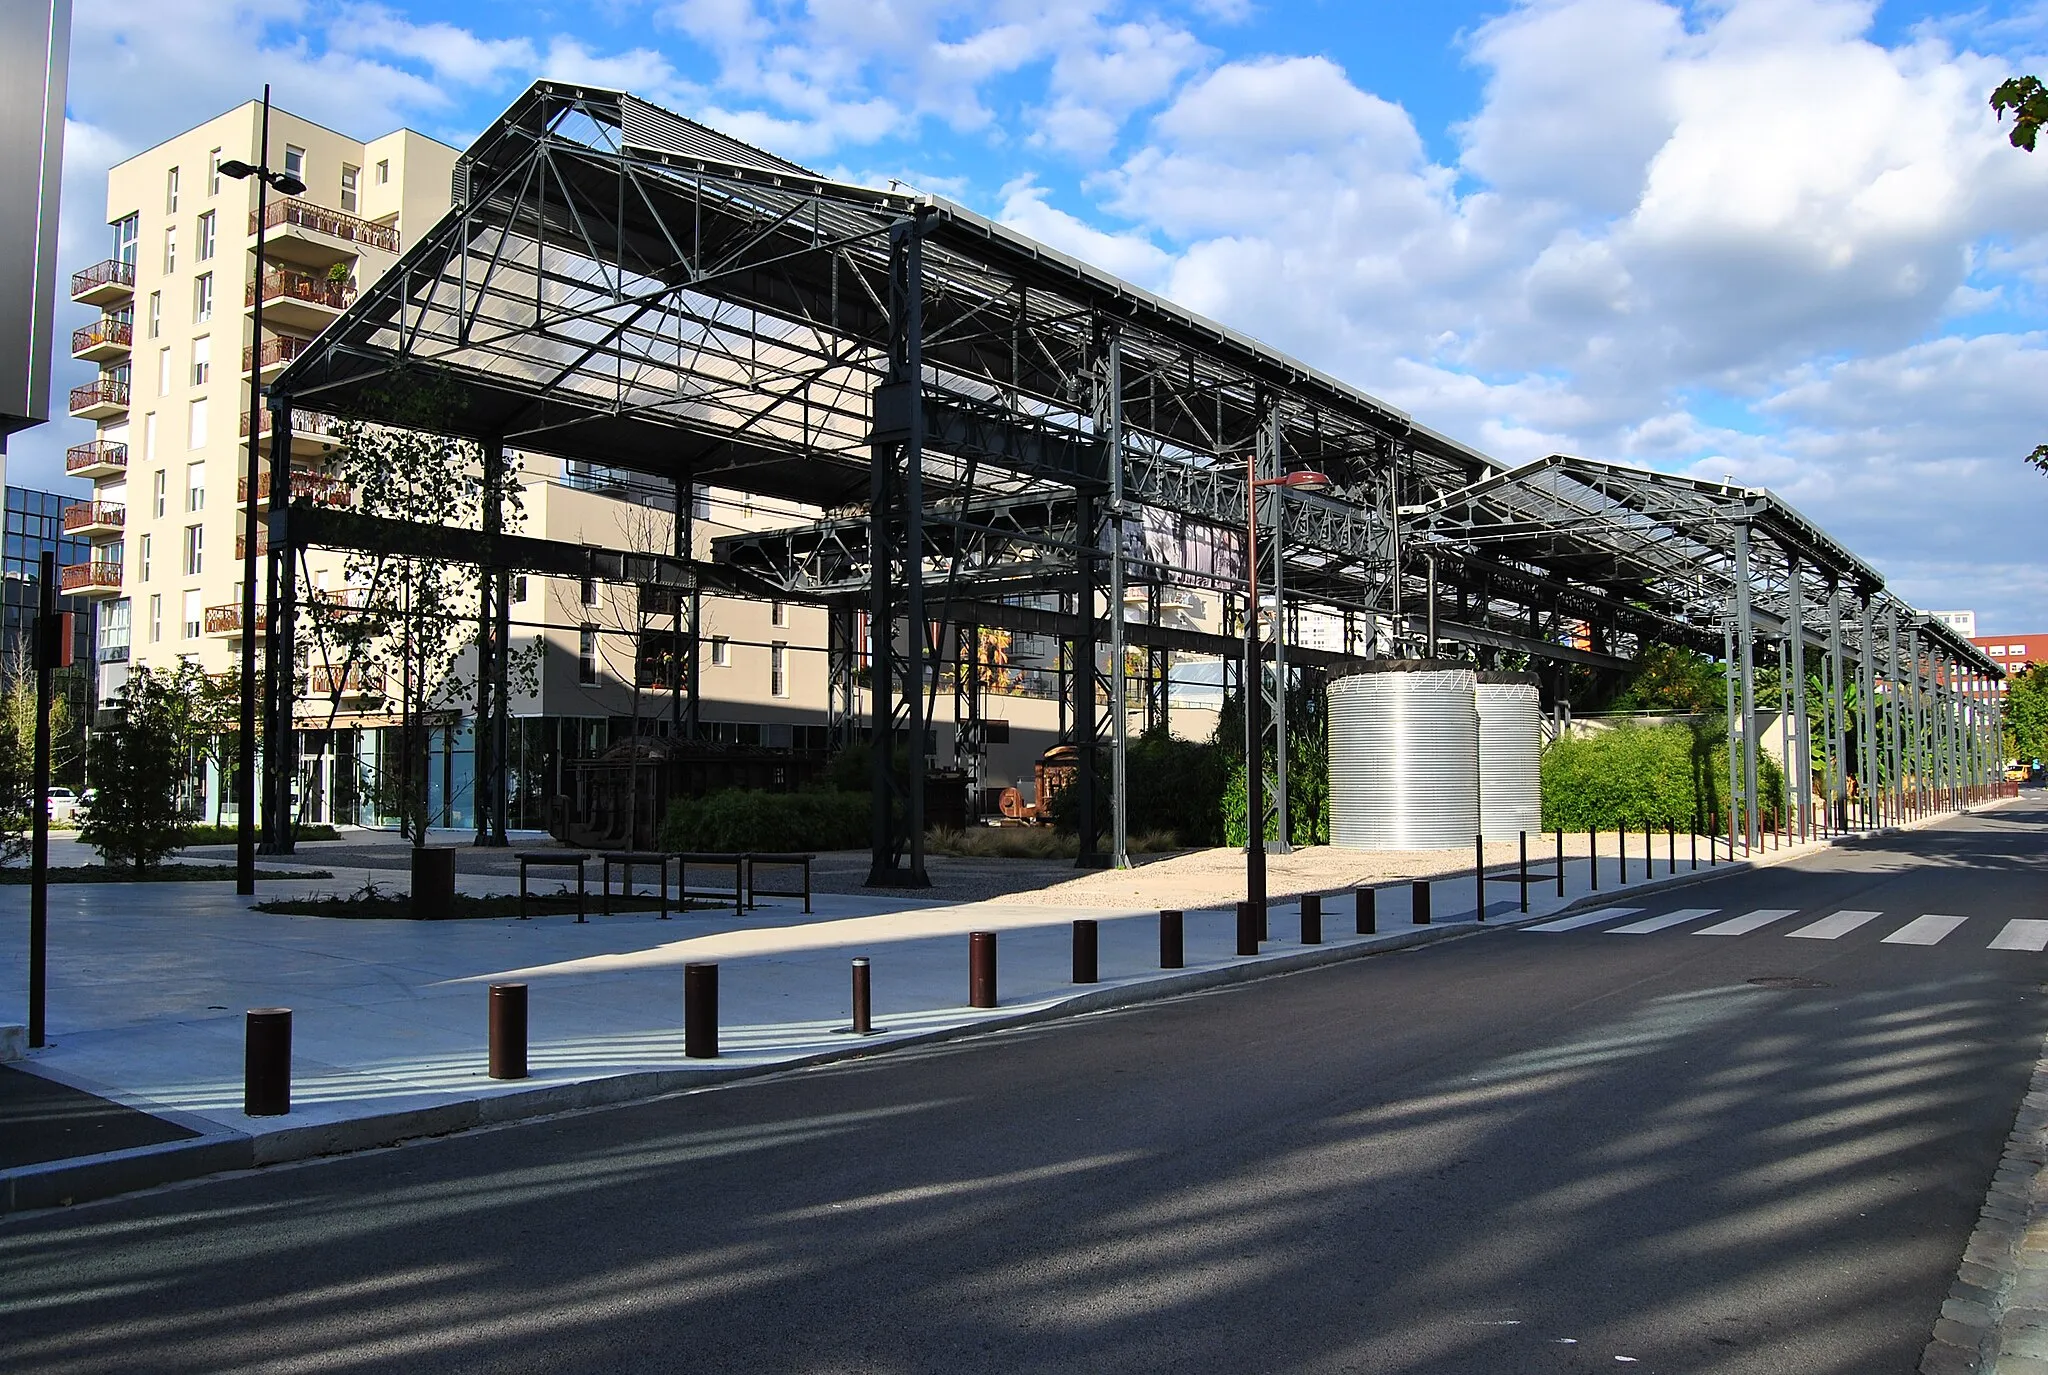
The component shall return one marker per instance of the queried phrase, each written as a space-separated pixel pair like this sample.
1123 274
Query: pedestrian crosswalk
1930 928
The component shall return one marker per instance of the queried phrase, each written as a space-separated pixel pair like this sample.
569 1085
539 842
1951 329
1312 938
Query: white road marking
1747 922
1593 918
1926 930
2022 935
1840 924
1683 914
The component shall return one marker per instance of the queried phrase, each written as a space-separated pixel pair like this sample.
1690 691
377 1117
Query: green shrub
1308 769
1635 776
735 820
1176 785
210 834
137 764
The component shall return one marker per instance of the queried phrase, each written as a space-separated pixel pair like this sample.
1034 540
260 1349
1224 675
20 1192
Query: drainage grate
1789 981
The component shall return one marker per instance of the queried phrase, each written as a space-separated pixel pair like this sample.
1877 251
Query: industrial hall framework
999 436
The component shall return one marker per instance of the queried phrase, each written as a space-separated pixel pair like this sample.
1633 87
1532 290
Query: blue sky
1781 239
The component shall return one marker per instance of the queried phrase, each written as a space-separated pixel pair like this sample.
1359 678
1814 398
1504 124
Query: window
196 431
192 615
156 314
158 496
203 248
171 192
127 230
590 591
778 613
156 617
721 651
195 550
148 543
202 360
202 298
171 249
383 171
295 162
700 503
163 372
519 588
149 438
778 669
349 177
586 655
195 486
213 173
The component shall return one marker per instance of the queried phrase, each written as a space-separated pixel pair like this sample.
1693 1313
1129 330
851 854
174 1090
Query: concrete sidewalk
149 983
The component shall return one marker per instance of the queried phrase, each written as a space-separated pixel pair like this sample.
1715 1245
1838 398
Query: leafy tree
1669 679
2026 714
2027 98
138 766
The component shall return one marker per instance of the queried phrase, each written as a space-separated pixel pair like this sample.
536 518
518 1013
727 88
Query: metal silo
1510 755
1404 756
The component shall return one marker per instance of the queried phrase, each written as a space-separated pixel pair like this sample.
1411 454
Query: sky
1783 241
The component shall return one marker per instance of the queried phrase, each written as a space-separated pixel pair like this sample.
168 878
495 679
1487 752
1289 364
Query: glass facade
35 522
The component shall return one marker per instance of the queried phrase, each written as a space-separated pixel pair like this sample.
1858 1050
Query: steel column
280 760
1745 632
1109 425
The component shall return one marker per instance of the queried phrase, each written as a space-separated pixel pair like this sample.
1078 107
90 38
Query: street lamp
1254 678
245 780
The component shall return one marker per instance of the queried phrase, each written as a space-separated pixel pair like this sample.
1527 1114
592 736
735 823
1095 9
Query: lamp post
1254 678
245 773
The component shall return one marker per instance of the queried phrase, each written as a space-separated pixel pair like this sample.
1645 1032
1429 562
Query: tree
1668 679
138 767
2026 714
2027 98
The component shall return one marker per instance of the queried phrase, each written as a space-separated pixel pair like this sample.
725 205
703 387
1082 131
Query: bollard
1171 926
1311 918
1479 876
1247 930
1695 847
1523 879
1593 857
700 1011
863 999
508 1031
267 1062
1560 861
1649 852
1621 856
1418 908
1085 940
981 969
1671 846
1368 911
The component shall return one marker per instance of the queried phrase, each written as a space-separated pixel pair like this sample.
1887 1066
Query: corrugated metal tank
1510 755
1404 757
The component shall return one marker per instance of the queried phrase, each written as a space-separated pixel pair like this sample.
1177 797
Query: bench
626 860
735 864
552 859
778 861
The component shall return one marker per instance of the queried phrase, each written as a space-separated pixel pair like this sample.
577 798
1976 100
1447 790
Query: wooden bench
552 859
626 860
778 861
734 863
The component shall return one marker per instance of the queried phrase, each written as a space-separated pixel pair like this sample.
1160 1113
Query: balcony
276 353
352 681
320 489
99 458
242 544
91 518
103 341
103 284
300 231
105 399
227 620
313 434
90 580
300 299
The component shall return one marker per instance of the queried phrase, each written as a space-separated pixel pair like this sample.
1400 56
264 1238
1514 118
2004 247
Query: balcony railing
88 577
112 272
227 620
93 515
318 488
327 681
286 285
93 395
97 453
262 544
103 333
303 422
333 223
282 349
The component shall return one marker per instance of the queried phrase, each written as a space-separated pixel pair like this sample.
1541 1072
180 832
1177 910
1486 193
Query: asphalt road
1518 1152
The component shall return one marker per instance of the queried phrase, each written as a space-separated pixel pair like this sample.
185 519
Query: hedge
1657 776
736 820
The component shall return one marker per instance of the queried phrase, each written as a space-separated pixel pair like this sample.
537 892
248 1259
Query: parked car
85 800
62 804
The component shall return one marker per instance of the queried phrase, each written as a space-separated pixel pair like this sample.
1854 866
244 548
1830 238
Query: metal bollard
1311 918
981 969
863 999
1593 857
1172 948
1695 848
1368 911
267 1062
1085 945
1418 903
1560 861
508 1031
1671 845
1649 852
1479 876
1247 930
1523 877
1621 856
700 1011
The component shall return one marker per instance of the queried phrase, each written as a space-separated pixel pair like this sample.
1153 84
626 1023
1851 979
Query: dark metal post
1524 874
863 999
47 650
508 1031
981 969
490 653
1253 681
1367 899
700 1011
245 766
1081 682
267 1062
1171 939
279 765
1560 861
1695 837
1085 947
1311 918
1593 857
1418 910
1671 846
1479 875
1247 929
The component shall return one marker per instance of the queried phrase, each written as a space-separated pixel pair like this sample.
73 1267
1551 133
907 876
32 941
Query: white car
62 804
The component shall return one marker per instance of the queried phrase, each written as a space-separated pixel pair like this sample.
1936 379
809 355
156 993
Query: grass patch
163 873
1030 842
372 903
209 834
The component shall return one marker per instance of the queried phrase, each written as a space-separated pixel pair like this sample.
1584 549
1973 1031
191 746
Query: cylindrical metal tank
1404 756
1510 755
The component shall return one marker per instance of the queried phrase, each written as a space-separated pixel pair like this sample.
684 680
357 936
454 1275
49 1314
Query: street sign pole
48 626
